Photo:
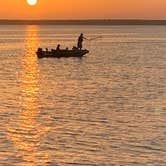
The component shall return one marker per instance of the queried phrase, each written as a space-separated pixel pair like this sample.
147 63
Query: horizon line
89 19
82 22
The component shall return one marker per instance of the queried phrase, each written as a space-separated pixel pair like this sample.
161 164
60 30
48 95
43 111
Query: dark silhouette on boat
66 53
80 41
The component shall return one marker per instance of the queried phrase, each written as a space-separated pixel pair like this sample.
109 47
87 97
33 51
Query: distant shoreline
83 22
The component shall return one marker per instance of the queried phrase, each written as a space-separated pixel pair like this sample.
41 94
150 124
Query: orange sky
83 9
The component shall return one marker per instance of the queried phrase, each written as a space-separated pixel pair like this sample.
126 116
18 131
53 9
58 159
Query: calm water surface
108 108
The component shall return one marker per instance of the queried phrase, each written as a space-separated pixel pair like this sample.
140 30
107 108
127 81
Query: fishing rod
94 38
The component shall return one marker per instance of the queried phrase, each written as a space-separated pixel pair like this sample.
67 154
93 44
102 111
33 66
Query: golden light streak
27 131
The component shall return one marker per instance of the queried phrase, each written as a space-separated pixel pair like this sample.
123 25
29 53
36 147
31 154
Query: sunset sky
84 9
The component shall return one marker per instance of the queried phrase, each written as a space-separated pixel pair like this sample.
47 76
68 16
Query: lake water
106 109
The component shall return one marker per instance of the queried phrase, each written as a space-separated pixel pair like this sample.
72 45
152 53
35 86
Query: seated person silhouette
58 47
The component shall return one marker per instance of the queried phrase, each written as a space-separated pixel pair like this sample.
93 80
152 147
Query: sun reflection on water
26 132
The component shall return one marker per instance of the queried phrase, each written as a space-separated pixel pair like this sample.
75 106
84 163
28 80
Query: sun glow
32 2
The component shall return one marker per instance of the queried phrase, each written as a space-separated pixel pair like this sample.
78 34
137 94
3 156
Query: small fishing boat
61 53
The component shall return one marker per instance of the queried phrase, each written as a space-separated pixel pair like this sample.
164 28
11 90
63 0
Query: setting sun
32 2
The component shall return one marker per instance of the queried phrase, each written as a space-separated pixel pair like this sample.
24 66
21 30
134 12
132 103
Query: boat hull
61 53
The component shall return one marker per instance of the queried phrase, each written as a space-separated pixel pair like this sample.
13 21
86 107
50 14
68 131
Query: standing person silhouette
80 41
